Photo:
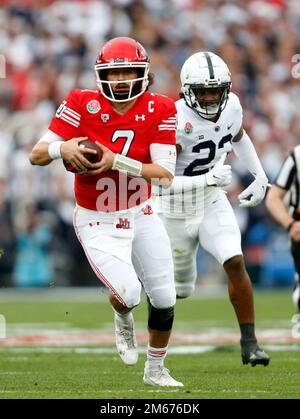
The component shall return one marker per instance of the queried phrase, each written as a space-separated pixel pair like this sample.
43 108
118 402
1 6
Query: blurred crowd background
50 47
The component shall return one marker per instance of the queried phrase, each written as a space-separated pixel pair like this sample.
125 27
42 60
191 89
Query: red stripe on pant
95 268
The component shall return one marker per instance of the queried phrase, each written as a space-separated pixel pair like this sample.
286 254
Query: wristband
54 150
290 225
125 164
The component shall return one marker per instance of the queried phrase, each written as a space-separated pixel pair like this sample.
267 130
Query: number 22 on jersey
195 168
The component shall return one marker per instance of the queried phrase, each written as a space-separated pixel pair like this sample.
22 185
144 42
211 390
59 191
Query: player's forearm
39 154
278 210
153 173
182 184
156 174
245 151
219 175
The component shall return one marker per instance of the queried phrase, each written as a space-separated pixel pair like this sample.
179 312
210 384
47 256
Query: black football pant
295 248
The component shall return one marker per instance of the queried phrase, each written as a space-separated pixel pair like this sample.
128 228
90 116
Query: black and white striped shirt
288 178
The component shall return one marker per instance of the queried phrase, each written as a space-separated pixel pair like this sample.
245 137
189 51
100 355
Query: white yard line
161 390
173 350
77 337
176 350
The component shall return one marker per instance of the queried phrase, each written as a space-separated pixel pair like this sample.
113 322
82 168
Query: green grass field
39 359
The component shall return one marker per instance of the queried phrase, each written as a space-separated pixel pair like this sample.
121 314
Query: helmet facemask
207 109
136 86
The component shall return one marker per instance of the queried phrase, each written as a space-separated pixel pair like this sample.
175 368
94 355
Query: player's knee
163 296
235 265
132 296
184 290
160 318
185 282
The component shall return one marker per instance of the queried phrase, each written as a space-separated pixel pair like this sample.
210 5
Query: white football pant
127 248
216 231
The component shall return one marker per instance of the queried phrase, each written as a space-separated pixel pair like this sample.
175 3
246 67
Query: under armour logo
123 223
140 117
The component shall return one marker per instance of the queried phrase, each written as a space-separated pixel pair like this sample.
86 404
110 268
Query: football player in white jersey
197 211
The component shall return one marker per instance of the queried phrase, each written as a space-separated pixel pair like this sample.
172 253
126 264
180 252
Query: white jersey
202 142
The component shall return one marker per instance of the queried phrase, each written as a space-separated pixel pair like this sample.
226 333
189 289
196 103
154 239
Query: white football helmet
200 73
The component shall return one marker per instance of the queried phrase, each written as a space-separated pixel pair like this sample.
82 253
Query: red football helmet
122 52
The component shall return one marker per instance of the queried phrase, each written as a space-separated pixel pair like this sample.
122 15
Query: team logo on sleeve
93 106
68 114
188 129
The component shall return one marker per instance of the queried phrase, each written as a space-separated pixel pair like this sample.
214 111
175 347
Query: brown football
93 158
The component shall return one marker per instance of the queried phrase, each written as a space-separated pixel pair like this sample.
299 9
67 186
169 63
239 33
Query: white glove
220 174
254 194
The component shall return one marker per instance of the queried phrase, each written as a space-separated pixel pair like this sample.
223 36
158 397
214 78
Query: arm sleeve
237 114
66 122
245 151
164 155
50 137
166 127
286 173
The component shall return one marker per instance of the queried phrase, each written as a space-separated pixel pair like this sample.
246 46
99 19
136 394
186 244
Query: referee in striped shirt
287 185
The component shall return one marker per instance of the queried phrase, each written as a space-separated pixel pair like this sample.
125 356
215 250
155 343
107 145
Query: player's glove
254 194
220 174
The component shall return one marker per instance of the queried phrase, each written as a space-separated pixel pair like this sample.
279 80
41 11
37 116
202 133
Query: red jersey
87 113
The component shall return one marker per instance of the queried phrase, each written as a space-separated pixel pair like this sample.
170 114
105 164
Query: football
93 158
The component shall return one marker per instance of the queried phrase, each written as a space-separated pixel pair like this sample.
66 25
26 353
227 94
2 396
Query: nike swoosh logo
229 126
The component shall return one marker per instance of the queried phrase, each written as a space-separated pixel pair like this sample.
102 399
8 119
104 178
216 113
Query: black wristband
290 225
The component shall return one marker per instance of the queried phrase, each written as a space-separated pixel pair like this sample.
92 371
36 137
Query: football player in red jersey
124 240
